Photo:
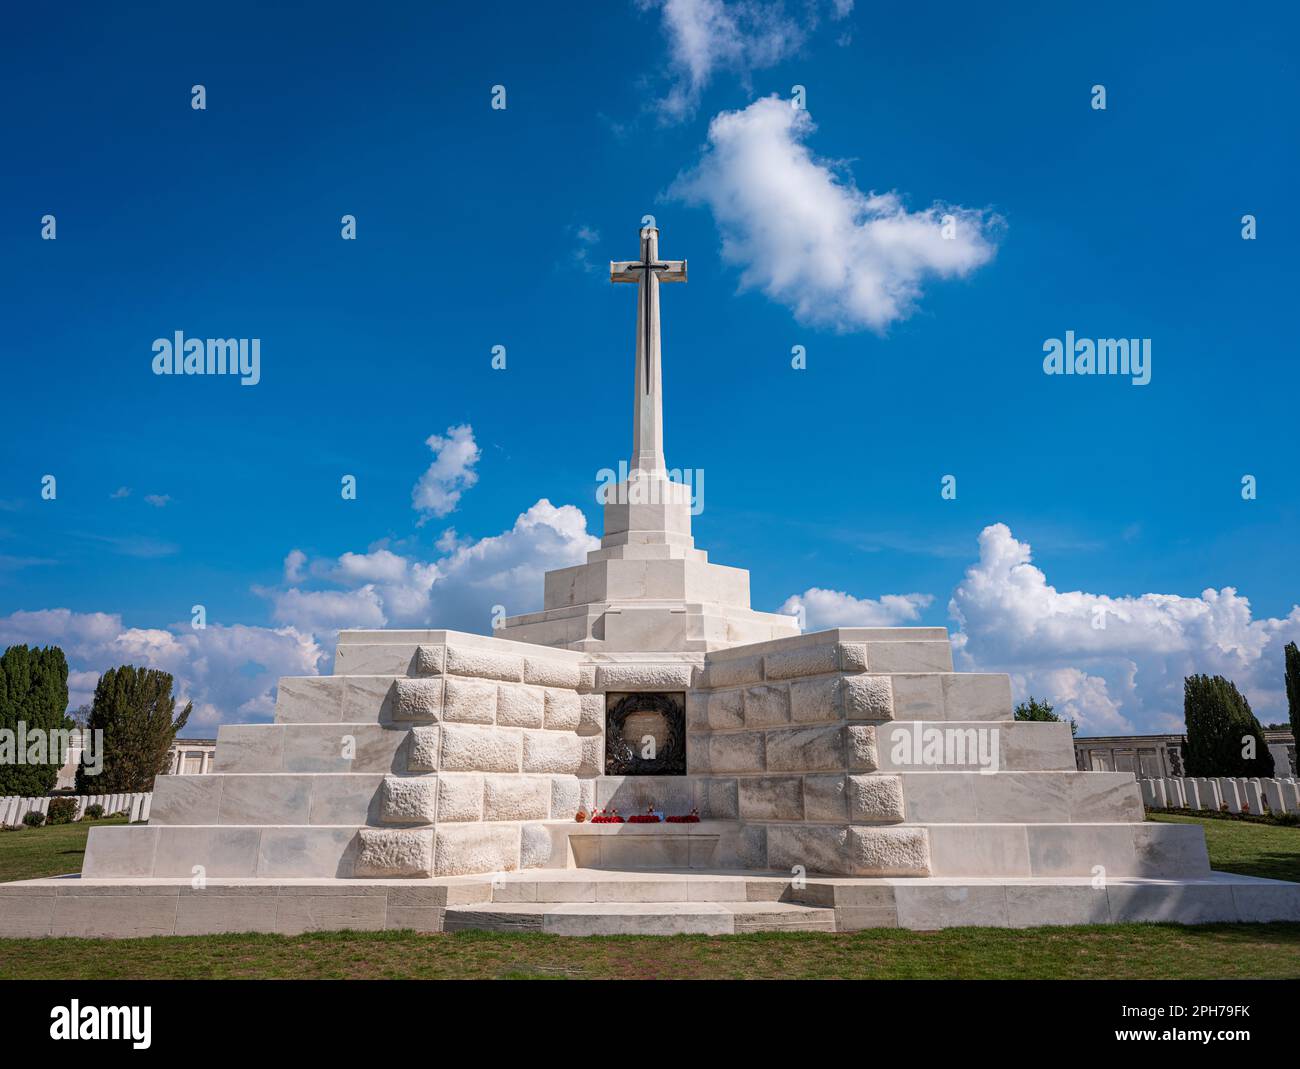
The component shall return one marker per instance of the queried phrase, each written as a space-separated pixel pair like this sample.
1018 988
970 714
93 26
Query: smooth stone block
265 800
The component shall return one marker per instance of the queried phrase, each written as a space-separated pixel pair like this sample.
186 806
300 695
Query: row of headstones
1235 794
13 807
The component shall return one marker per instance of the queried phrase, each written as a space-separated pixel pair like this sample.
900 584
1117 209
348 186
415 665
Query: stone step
1147 850
640 918
970 745
567 885
1011 797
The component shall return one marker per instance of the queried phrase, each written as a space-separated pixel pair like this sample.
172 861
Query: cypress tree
1293 688
134 709
1220 725
33 693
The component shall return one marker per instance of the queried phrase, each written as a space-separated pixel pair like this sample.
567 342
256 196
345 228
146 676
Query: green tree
1292 655
1034 709
134 709
1221 731
33 693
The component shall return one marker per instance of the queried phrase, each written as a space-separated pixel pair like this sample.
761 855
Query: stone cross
647 273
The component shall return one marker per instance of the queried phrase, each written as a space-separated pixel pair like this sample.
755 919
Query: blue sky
479 227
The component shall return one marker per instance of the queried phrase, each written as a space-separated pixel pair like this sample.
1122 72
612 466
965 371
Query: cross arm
624 270
672 271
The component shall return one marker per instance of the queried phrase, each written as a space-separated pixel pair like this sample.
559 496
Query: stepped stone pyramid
844 779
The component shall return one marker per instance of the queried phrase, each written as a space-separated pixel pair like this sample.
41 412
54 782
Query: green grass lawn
1137 951
1134 951
56 850
1268 850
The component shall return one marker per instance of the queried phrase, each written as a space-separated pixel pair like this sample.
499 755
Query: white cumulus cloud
451 473
229 672
706 37
808 238
1124 676
823 609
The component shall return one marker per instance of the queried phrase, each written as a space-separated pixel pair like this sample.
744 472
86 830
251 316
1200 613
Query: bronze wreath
621 759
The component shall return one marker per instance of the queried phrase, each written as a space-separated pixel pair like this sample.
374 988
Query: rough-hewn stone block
697 752
408 801
468 748
429 660
806 661
813 847
735 672
868 698
771 798
810 749
484 664
633 676
390 854
519 705
516 798
563 710
726 709
534 846
552 751
417 699
469 702
862 753
889 851
460 849
697 709
876 799
422 749
767 705
566 797
548 673
591 717
719 799
818 699
593 756
460 797
853 656
751 846
740 751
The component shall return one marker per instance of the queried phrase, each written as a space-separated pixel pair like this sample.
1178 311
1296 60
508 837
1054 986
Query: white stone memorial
843 779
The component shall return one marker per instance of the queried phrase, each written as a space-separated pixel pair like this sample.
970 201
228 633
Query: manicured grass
1135 951
1268 850
54 850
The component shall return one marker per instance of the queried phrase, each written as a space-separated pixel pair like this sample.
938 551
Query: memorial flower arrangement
610 816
